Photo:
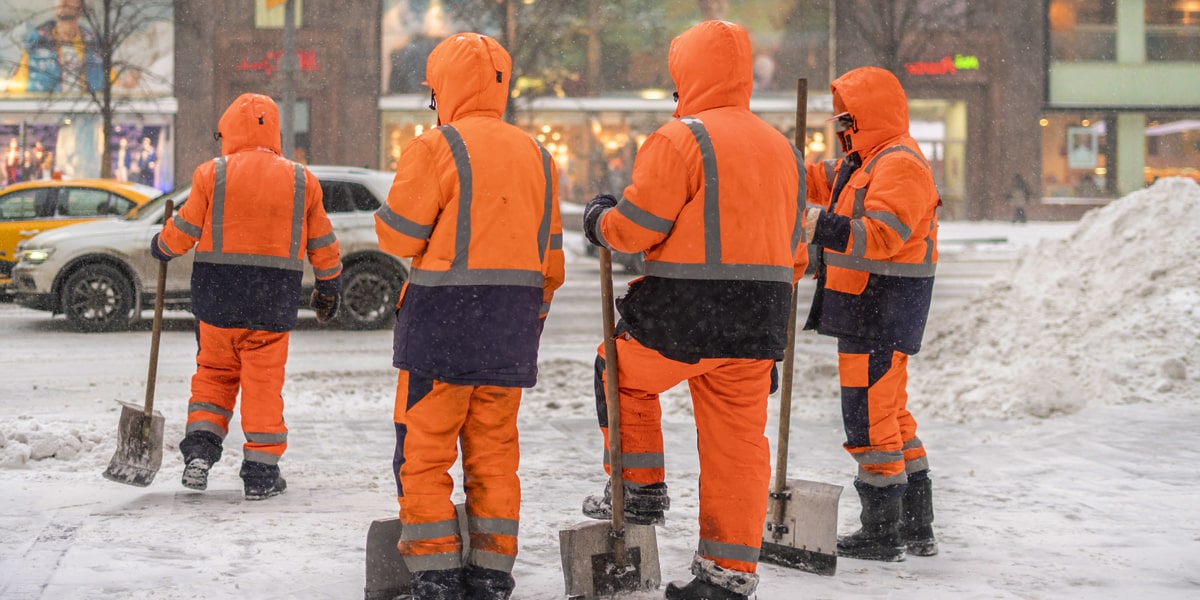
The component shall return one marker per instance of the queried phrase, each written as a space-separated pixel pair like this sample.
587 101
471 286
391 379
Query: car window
343 197
27 204
364 199
83 202
153 207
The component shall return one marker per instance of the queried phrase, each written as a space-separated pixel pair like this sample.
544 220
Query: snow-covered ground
1056 395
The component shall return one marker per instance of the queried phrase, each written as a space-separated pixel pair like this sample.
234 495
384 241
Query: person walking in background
716 204
254 217
1019 196
873 217
475 203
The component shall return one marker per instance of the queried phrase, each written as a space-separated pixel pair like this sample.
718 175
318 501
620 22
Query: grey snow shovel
388 578
603 559
801 529
140 430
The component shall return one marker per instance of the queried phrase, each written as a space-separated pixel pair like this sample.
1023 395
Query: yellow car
27 209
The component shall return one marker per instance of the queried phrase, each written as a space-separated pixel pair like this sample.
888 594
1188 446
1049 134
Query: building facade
1122 96
1081 100
226 48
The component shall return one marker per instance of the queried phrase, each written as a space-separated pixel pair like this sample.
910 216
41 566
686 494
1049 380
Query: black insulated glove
591 216
326 306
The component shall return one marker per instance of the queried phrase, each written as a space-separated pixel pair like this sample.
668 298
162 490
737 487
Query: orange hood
252 121
469 72
712 66
876 100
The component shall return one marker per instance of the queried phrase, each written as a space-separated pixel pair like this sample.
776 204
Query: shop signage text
949 65
270 64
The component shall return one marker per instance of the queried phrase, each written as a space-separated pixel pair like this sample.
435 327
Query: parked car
102 276
27 209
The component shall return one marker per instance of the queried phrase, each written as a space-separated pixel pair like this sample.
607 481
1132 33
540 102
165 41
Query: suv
101 275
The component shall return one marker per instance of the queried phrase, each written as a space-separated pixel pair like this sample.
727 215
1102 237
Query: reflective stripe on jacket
878 239
715 203
475 203
253 217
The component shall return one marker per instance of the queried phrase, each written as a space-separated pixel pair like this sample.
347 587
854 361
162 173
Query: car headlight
34 256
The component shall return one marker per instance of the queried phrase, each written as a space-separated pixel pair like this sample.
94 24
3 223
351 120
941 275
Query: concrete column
1131 32
1131 151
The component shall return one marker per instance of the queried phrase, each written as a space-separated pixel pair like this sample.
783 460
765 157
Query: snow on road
1057 405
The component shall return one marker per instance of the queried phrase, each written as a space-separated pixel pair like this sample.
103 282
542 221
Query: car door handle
30 231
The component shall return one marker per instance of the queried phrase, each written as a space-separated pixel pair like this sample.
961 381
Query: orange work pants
252 361
432 419
881 434
729 401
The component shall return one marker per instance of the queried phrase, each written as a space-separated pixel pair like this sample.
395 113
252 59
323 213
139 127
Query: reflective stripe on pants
249 360
729 400
432 418
881 434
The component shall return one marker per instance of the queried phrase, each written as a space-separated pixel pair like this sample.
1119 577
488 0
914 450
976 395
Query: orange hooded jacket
715 203
878 232
475 203
253 217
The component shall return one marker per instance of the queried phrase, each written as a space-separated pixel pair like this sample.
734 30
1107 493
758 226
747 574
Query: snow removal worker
253 216
873 216
475 204
716 204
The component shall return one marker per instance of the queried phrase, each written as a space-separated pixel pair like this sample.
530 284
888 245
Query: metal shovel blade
388 578
137 457
807 537
590 567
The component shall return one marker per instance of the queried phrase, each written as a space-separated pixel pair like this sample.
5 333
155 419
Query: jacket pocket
846 281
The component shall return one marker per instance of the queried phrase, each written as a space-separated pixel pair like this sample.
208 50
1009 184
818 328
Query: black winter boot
261 481
713 582
644 504
700 590
444 584
201 450
487 584
916 523
879 538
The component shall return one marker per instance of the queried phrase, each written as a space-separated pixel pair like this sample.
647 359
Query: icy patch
1111 314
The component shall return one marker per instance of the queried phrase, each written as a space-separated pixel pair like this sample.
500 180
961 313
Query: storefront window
1083 30
269 14
1172 146
1173 30
1075 156
43 147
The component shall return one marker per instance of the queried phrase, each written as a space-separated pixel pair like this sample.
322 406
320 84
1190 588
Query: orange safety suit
715 203
253 217
475 204
877 240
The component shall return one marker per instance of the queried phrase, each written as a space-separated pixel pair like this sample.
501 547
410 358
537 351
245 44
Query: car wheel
98 298
369 294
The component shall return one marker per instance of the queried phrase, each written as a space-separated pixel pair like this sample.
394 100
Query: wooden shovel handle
789 352
156 331
613 401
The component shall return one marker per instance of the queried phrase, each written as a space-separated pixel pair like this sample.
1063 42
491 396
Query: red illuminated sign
949 65
270 64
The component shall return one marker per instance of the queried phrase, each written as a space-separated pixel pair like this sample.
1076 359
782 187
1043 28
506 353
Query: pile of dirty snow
1109 315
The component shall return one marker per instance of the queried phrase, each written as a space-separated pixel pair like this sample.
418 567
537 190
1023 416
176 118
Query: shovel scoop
139 447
